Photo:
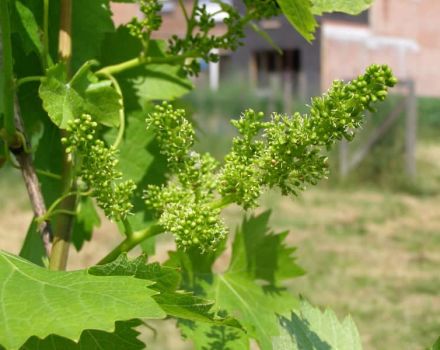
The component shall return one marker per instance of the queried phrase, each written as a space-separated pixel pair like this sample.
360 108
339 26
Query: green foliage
86 220
299 13
123 337
352 7
436 346
98 302
312 329
239 291
167 281
84 93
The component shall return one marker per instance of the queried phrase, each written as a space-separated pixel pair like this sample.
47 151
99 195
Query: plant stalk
132 241
7 89
138 237
64 221
139 61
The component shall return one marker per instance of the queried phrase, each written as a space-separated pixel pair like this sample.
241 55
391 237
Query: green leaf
27 28
311 329
52 297
176 303
65 101
91 20
299 13
262 253
85 221
33 248
59 99
140 161
352 7
206 336
239 291
124 337
436 346
144 83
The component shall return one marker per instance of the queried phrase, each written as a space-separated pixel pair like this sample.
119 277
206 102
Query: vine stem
140 61
132 241
29 79
121 130
14 129
7 89
135 238
64 222
46 56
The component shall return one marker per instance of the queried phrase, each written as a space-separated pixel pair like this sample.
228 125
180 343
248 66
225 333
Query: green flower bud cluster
184 205
336 114
173 131
288 153
201 41
98 167
152 19
190 218
240 176
285 152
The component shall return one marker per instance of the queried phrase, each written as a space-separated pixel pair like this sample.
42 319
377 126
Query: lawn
369 252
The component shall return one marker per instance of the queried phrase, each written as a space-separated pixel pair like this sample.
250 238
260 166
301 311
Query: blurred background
369 236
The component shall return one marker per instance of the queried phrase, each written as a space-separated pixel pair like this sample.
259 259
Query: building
401 33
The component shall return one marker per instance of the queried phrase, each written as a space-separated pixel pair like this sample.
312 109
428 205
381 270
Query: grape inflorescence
283 152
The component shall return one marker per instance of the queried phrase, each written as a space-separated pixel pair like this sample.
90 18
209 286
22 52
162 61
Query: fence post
411 130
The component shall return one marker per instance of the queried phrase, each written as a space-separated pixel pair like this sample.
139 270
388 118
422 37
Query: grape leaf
91 20
176 303
206 336
33 248
311 329
64 100
255 304
66 303
436 345
262 253
299 14
27 28
352 7
86 220
124 337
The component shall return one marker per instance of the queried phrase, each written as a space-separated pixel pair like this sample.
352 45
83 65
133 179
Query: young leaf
65 100
124 337
262 253
237 291
352 7
311 329
99 301
299 13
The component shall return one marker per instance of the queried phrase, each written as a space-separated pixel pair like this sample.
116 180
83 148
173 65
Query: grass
369 251
372 254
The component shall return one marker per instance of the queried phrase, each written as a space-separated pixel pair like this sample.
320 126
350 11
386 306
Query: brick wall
401 33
